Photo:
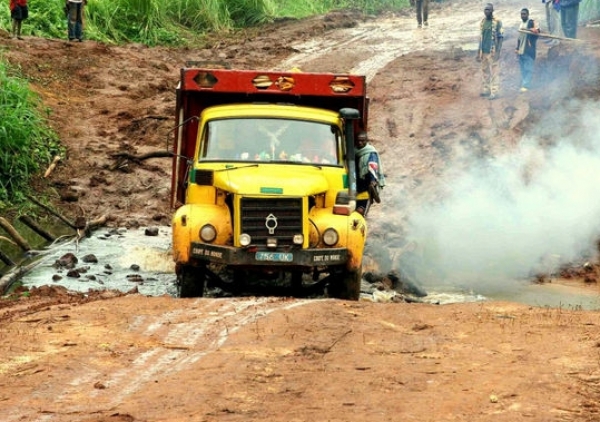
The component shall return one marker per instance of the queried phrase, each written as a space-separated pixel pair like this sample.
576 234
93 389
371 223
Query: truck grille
287 213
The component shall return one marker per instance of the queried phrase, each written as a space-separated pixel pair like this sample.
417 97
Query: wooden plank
12 232
544 35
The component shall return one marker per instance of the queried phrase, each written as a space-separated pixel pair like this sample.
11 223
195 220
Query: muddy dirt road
135 358
464 174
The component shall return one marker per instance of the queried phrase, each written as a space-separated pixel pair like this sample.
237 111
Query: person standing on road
569 17
369 174
422 12
18 12
526 44
553 17
74 11
490 45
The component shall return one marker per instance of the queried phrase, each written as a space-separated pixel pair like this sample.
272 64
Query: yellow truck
264 179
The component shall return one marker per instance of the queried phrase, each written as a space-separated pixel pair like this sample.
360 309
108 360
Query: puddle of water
576 296
555 296
117 251
442 298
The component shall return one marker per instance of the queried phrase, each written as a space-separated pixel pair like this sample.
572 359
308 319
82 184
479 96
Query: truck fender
189 219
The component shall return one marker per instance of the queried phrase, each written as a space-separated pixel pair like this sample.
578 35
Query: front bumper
245 256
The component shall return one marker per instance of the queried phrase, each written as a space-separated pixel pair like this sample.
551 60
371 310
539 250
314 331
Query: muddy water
575 296
120 253
126 259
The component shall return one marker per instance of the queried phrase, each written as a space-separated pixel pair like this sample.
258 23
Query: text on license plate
274 256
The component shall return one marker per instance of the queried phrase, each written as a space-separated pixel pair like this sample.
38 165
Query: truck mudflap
239 256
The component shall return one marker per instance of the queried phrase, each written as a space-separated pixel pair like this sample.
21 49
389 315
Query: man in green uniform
490 44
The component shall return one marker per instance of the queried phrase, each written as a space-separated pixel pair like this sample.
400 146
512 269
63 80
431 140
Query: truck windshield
259 139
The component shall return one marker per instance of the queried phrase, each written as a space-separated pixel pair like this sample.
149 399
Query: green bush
26 142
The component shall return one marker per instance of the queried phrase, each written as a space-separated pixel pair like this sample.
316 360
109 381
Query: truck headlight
208 233
245 239
330 237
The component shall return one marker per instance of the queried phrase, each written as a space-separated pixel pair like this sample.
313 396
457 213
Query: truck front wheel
346 285
191 281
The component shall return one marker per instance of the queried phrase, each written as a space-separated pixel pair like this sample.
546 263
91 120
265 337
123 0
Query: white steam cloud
517 215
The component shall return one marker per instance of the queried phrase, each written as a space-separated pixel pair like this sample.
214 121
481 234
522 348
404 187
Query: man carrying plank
526 48
544 35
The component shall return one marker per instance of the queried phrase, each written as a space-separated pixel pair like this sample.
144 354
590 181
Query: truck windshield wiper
236 167
297 163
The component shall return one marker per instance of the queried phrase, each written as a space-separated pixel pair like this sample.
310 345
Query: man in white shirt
526 48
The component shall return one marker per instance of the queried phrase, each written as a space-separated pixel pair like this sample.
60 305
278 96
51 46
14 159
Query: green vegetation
26 142
177 22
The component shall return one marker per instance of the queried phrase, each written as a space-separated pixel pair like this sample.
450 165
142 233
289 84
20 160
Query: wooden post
6 259
50 210
14 234
13 275
37 228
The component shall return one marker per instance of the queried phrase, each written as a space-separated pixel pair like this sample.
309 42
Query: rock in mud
66 261
73 274
90 258
151 231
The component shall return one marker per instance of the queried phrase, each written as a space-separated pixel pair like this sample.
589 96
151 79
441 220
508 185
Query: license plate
274 256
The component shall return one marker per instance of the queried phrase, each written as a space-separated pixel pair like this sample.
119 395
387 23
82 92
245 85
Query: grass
26 142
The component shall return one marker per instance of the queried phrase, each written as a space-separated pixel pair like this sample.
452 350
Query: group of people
562 19
561 16
73 10
492 36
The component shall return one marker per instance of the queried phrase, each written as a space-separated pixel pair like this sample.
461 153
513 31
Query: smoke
504 219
